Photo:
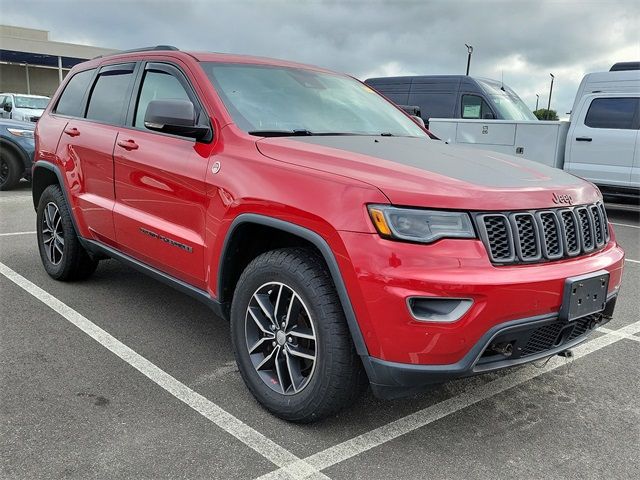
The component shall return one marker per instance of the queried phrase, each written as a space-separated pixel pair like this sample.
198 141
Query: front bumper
532 339
382 274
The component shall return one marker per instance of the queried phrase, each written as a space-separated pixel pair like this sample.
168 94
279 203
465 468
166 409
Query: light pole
469 52
537 100
550 92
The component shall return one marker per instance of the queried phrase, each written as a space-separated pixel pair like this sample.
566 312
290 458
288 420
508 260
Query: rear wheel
290 337
10 170
61 253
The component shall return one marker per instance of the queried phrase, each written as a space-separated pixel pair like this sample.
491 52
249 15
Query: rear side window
158 86
619 113
70 102
474 106
110 94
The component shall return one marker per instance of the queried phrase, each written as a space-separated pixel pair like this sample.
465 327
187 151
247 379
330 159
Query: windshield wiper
296 133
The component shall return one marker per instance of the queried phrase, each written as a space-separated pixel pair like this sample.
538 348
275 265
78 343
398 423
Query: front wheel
291 339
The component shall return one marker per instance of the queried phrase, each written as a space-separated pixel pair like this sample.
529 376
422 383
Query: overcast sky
522 40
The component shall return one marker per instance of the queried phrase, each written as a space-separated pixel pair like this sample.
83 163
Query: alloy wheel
280 338
52 233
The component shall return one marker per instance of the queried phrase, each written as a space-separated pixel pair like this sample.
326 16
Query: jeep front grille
542 235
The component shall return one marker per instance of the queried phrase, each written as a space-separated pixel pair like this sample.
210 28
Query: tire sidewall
53 194
14 170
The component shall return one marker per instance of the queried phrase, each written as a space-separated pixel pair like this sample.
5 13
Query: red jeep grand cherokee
343 243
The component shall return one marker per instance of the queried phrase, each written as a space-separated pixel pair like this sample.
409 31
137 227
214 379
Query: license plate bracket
584 295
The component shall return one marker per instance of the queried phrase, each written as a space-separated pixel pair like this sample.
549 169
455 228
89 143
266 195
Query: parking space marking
628 336
16 233
381 435
632 261
273 452
624 225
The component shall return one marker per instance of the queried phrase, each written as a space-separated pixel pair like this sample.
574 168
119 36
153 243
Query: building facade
31 63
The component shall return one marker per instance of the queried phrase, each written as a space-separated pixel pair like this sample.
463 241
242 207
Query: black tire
337 377
11 169
66 260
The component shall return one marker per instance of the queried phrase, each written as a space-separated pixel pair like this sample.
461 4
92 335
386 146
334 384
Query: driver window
474 106
157 86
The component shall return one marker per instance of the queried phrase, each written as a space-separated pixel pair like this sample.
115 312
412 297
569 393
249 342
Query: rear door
160 182
86 144
601 143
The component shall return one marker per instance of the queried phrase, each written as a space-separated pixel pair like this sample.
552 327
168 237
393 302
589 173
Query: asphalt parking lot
121 376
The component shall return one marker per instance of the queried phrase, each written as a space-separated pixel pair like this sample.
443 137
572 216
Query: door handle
583 139
72 132
128 144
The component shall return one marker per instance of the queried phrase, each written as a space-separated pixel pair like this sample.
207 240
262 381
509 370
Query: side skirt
100 249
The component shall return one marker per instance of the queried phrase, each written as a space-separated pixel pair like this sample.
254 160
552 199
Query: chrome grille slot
525 236
586 229
543 235
497 231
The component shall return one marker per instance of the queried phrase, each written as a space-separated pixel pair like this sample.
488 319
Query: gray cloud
522 40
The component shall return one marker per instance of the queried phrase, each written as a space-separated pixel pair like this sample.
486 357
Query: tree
544 114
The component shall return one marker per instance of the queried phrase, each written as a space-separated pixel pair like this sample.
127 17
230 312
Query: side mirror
7 107
418 120
177 117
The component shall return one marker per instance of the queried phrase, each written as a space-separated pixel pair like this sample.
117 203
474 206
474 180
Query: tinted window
109 96
158 86
613 113
70 102
475 107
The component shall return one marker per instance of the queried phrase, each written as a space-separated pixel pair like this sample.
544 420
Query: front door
160 185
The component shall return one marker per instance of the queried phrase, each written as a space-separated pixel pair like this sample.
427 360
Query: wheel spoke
52 252
258 322
58 247
288 317
47 240
268 358
265 305
277 364
300 332
301 352
275 308
259 343
290 370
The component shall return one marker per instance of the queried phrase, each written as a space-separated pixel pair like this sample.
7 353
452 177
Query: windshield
509 105
37 103
271 100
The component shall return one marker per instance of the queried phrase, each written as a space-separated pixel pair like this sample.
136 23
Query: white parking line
16 233
273 452
632 261
624 225
628 336
421 418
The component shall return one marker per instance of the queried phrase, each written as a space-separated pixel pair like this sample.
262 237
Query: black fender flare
324 249
39 166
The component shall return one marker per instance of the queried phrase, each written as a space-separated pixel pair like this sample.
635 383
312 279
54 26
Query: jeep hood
429 173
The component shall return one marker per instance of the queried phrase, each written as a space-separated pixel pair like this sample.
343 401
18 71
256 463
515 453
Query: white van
601 143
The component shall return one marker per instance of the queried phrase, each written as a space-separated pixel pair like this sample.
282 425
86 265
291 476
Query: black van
454 96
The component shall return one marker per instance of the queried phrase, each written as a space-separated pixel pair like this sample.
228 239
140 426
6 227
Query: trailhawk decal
167 240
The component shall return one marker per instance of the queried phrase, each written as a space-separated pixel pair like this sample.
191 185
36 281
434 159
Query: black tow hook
566 354
504 348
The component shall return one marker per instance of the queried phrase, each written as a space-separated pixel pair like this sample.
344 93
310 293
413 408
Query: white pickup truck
601 143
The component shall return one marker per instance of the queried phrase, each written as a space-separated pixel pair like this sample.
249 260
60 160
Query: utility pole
469 52
550 92
537 100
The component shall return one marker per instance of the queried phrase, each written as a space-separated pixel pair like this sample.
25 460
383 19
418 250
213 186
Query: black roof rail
623 66
143 49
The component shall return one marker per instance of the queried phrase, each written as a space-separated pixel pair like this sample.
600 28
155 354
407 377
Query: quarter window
157 86
110 95
619 113
70 102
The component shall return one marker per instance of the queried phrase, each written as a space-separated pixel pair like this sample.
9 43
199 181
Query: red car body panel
166 186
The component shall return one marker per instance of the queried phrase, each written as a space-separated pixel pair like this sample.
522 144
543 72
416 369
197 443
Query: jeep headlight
417 225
